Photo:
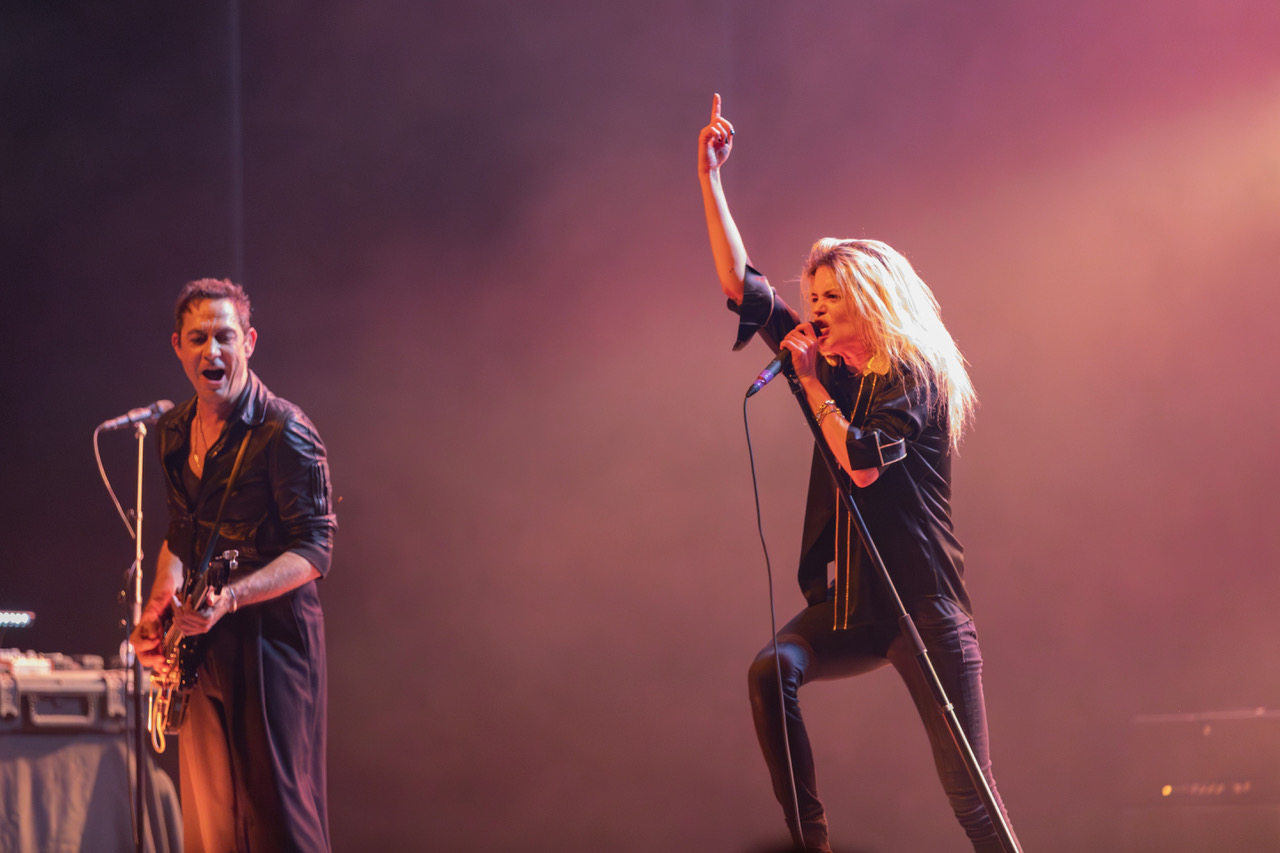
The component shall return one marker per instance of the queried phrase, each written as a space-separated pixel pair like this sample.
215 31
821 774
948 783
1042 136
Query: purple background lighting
475 246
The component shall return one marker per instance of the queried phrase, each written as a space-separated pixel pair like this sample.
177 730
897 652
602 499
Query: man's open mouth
214 375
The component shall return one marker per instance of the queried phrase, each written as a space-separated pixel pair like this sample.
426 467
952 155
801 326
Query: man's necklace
197 456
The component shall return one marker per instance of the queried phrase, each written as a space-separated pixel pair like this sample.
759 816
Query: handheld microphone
781 362
146 414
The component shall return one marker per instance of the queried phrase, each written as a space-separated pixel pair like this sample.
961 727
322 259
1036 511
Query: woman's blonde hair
901 321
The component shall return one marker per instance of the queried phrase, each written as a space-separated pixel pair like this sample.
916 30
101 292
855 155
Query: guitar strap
217 522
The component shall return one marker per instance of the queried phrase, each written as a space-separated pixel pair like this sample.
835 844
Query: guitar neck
172 638
174 635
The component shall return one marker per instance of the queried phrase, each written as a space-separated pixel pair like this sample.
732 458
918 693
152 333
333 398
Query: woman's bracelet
827 408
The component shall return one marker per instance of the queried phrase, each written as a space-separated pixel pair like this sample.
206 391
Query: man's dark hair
212 288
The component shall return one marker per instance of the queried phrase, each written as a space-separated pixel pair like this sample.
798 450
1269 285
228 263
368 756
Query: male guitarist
252 741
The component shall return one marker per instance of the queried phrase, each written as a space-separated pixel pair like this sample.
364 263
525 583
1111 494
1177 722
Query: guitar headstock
220 569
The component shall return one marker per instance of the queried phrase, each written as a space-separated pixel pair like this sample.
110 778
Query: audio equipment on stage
60 693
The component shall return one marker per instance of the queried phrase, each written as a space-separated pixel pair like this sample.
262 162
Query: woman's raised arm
715 142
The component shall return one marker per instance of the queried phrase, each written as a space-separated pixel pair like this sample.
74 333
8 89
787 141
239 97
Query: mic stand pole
139 742
908 628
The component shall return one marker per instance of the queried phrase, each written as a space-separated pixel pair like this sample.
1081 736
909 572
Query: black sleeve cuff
873 449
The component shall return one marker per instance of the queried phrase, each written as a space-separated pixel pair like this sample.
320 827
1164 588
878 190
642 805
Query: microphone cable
773 628
106 481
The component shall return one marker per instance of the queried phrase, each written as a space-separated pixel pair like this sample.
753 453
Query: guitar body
174 686
183 654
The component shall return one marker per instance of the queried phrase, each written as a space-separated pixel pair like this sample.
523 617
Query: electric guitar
182 655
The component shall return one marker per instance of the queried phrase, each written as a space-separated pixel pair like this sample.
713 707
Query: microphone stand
135 616
908 628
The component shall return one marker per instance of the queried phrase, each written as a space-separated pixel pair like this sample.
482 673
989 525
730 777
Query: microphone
146 414
781 362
